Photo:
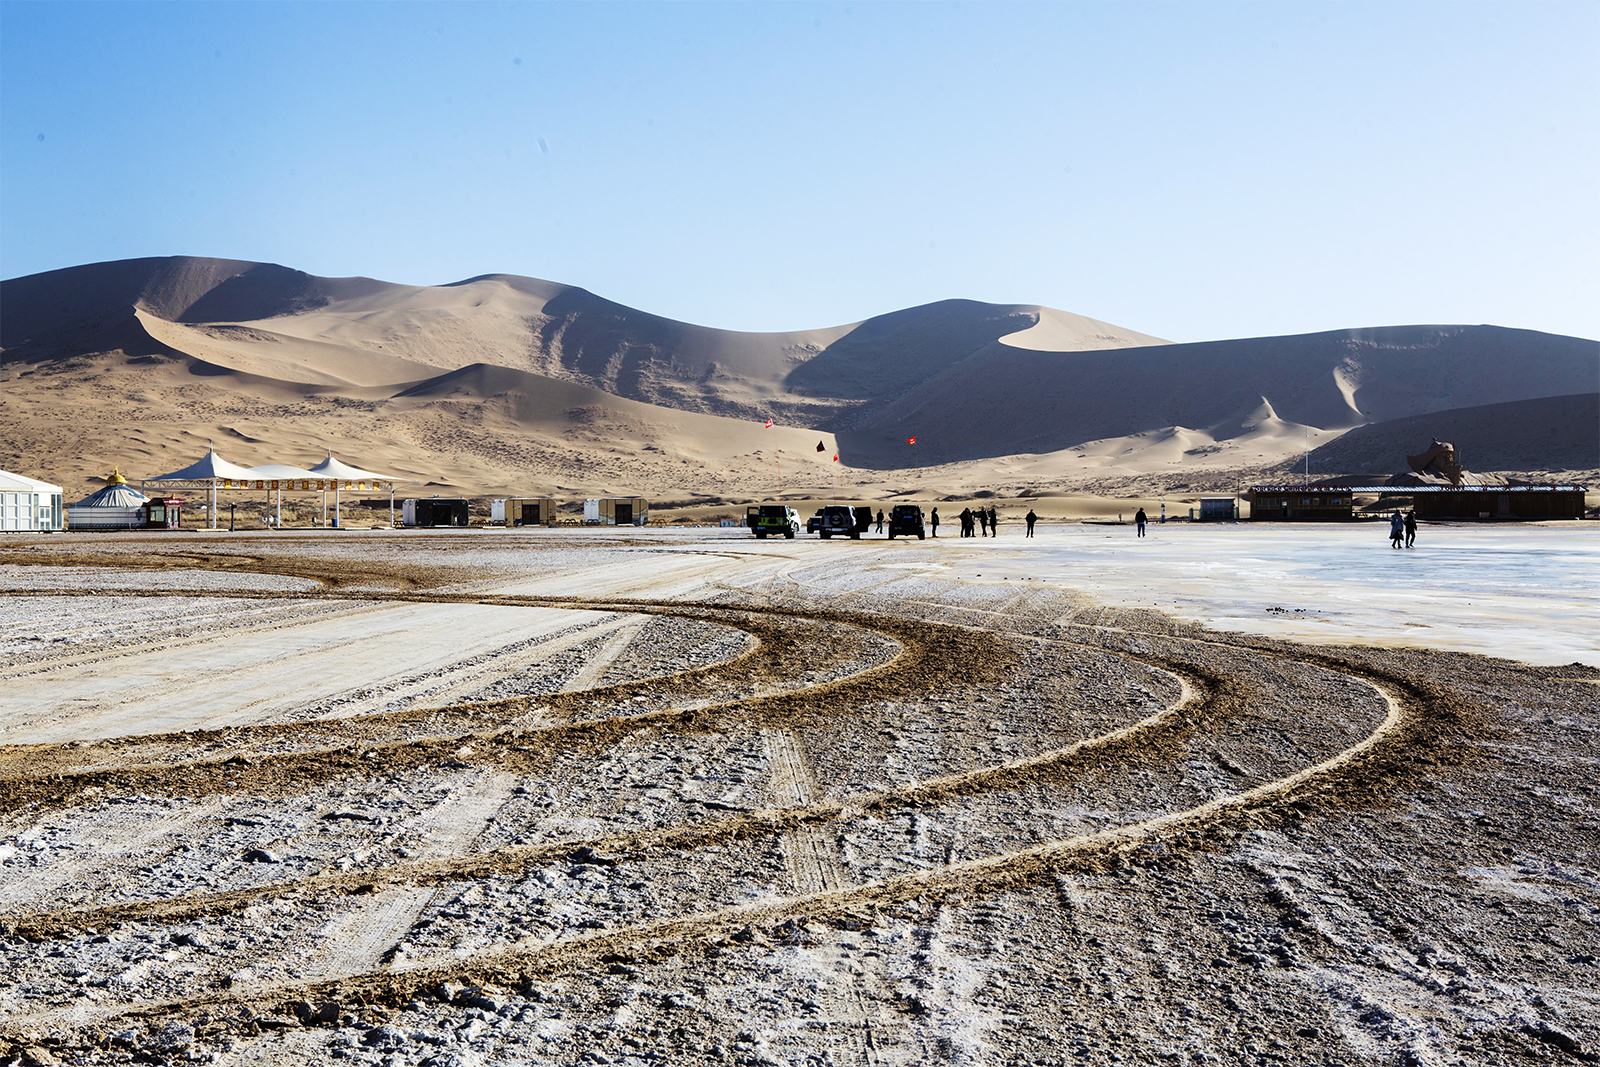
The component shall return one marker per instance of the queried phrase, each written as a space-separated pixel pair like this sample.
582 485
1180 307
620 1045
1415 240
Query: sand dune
1004 400
1558 433
501 382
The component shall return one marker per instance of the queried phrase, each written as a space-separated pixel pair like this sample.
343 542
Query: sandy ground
678 796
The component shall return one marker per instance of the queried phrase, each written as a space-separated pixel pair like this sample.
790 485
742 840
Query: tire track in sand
814 868
516 963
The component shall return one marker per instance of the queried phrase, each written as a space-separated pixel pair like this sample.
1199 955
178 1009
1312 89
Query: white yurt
28 504
119 506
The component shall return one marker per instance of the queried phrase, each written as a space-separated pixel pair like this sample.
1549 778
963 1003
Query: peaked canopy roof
15 482
326 474
212 466
333 468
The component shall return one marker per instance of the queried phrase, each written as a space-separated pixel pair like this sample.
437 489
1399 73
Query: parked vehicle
814 523
844 521
906 519
767 519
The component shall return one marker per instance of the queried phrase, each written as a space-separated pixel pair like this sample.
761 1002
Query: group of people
1403 528
973 521
985 520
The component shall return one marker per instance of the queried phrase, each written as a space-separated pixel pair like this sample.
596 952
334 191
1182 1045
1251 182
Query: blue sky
1194 171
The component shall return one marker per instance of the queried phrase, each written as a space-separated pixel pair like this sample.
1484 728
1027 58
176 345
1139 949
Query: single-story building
523 511
27 504
434 511
616 511
1326 502
1215 509
1312 503
1496 501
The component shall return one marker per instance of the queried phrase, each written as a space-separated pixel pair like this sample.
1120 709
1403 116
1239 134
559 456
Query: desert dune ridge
499 384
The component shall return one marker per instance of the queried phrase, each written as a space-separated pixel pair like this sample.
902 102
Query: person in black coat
1030 518
1139 520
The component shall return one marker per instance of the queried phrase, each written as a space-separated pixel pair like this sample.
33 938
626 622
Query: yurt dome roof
116 494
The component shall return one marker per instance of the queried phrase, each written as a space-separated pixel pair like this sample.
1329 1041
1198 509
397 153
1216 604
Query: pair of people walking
1403 529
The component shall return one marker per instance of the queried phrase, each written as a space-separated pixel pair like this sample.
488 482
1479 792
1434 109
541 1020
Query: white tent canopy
342 474
333 468
212 466
213 472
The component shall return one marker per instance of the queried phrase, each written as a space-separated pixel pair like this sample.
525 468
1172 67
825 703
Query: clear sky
1193 171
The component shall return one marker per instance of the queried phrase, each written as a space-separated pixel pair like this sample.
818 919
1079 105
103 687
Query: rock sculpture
1438 461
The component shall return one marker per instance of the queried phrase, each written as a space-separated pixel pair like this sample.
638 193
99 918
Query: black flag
820 448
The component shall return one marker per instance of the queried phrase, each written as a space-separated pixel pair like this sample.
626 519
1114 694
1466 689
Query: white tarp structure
29 504
214 473
211 473
347 477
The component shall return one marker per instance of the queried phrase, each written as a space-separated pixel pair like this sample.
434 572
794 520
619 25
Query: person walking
933 520
1411 528
880 520
994 522
1397 530
1030 518
966 522
1139 521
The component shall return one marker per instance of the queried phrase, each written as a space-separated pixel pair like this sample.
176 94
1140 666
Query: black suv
906 519
842 520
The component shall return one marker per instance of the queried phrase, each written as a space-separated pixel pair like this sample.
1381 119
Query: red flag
911 440
769 424
836 459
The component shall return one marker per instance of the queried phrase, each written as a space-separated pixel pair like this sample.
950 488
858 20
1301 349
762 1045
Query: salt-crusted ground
656 796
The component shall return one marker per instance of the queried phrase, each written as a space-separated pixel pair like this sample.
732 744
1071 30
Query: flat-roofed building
1293 503
616 511
434 511
523 511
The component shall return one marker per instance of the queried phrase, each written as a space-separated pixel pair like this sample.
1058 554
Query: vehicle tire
891 535
854 536
824 534
761 535
921 537
789 533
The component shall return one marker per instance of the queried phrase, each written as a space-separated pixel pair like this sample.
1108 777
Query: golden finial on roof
116 477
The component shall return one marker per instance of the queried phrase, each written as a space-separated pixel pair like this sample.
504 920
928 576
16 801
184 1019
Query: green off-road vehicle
772 519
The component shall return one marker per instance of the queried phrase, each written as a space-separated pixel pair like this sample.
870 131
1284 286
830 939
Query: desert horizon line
571 286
